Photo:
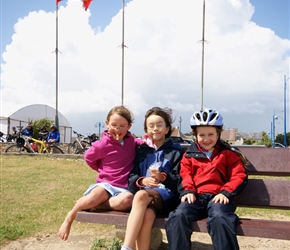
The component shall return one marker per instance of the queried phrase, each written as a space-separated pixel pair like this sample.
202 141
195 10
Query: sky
246 55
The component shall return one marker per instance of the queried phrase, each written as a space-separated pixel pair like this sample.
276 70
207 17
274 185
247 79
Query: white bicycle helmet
207 117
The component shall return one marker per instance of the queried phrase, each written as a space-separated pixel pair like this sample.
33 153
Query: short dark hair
165 113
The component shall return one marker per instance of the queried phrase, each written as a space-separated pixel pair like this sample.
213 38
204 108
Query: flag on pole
86 4
57 1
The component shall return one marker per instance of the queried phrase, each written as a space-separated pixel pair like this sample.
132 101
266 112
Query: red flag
57 1
86 4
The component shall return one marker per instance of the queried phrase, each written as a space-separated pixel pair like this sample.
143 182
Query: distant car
278 145
177 139
189 141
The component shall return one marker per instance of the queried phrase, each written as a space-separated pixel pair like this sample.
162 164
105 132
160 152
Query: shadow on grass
194 245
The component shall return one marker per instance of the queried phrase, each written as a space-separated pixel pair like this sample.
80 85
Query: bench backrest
268 191
267 161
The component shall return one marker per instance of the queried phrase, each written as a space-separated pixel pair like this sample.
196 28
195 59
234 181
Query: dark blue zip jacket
170 155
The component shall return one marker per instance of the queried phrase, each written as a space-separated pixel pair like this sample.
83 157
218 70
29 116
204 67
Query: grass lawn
37 192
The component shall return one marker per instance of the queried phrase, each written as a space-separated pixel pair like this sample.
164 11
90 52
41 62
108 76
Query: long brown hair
122 111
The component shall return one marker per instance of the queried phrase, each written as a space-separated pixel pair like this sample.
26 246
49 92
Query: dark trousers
221 223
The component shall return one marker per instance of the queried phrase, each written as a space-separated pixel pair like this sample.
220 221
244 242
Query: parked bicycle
25 144
11 138
91 138
81 143
2 139
8 138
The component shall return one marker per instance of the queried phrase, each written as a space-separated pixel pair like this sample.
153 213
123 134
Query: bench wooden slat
265 161
268 161
264 228
266 194
103 217
247 227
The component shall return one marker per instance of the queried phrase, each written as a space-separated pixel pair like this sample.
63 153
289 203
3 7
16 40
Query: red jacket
222 173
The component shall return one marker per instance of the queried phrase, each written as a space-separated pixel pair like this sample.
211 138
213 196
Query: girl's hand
189 197
220 198
157 175
150 182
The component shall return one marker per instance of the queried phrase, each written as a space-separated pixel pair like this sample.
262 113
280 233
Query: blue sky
102 12
245 61
273 14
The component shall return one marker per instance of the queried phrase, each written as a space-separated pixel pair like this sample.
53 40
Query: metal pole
99 129
123 46
8 127
56 71
202 63
273 142
285 142
180 120
272 133
99 125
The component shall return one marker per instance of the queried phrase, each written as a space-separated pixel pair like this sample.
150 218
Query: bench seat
247 227
268 187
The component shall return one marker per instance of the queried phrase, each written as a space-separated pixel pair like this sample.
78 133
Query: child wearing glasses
154 178
113 158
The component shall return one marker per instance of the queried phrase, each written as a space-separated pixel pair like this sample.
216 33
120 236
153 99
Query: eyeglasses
122 127
158 126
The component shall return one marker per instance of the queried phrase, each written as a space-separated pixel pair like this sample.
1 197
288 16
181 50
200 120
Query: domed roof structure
37 112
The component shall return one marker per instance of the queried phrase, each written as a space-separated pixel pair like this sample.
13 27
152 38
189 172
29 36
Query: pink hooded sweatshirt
112 160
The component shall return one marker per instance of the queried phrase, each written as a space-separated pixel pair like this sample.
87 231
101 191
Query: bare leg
136 217
121 202
98 195
143 239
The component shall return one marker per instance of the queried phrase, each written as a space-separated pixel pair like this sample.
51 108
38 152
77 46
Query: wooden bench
266 191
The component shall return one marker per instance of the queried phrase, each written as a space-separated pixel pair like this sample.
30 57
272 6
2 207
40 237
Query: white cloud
244 63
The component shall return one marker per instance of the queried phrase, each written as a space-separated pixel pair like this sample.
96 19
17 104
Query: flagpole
202 62
123 46
56 70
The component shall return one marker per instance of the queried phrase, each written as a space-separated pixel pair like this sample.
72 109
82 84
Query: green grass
263 213
106 244
37 193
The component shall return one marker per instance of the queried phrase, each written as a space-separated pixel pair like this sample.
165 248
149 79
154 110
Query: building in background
36 112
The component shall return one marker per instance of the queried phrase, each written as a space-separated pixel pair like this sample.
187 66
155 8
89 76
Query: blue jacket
54 135
170 155
28 132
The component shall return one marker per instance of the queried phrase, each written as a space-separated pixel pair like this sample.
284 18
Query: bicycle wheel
73 148
69 148
16 149
52 149
86 145
66 148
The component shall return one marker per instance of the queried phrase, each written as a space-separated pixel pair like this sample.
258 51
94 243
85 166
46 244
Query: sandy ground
83 241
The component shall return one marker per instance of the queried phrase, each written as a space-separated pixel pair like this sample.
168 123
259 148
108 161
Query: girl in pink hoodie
113 158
